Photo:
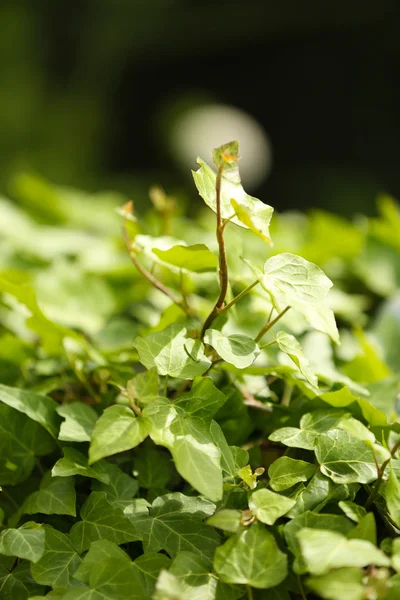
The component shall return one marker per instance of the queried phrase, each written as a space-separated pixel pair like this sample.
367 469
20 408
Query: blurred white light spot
199 130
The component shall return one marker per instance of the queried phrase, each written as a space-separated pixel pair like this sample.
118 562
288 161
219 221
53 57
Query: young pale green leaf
173 353
344 398
311 520
289 345
100 520
286 472
118 429
251 557
38 408
341 584
311 425
324 550
346 459
391 494
365 530
269 506
194 581
25 542
237 349
56 496
236 205
76 463
144 386
197 458
59 562
227 519
203 400
197 258
352 510
52 335
227 459
79 422
292 281
175 523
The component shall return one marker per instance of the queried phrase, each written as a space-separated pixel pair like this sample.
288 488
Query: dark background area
90 91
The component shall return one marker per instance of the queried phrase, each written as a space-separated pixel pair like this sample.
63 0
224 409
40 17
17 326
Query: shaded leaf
285 472
59 561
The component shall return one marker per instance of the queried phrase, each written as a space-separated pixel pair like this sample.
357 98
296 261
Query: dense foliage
179 419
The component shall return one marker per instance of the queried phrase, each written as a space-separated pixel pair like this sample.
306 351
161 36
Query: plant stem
249 592
381 472
223 267
238 297
270 324
302 592
153 280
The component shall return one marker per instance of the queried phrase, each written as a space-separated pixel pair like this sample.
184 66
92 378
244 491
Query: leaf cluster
181 414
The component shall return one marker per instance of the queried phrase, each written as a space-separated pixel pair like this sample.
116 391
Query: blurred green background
124 93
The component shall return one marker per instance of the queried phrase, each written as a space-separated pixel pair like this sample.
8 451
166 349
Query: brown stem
223 267
381 471
270 324
153 280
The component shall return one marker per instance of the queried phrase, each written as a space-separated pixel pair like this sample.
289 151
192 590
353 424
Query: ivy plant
179 415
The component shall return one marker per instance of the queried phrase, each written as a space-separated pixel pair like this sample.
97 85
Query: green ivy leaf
59 562
76 463
120 487
25 542
144 386
175 523
153 466
345 459
197 258
311 425
195 581
141 575
118 429
391 494
100 520
289 345
286 472
197 459
319 491
324 550
292 281
79 422
269 506
311 520
18 584
341 584
56 496
249 212
227 519
21 439
203 400
173 353
237 349
52 334
251 557
38 408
